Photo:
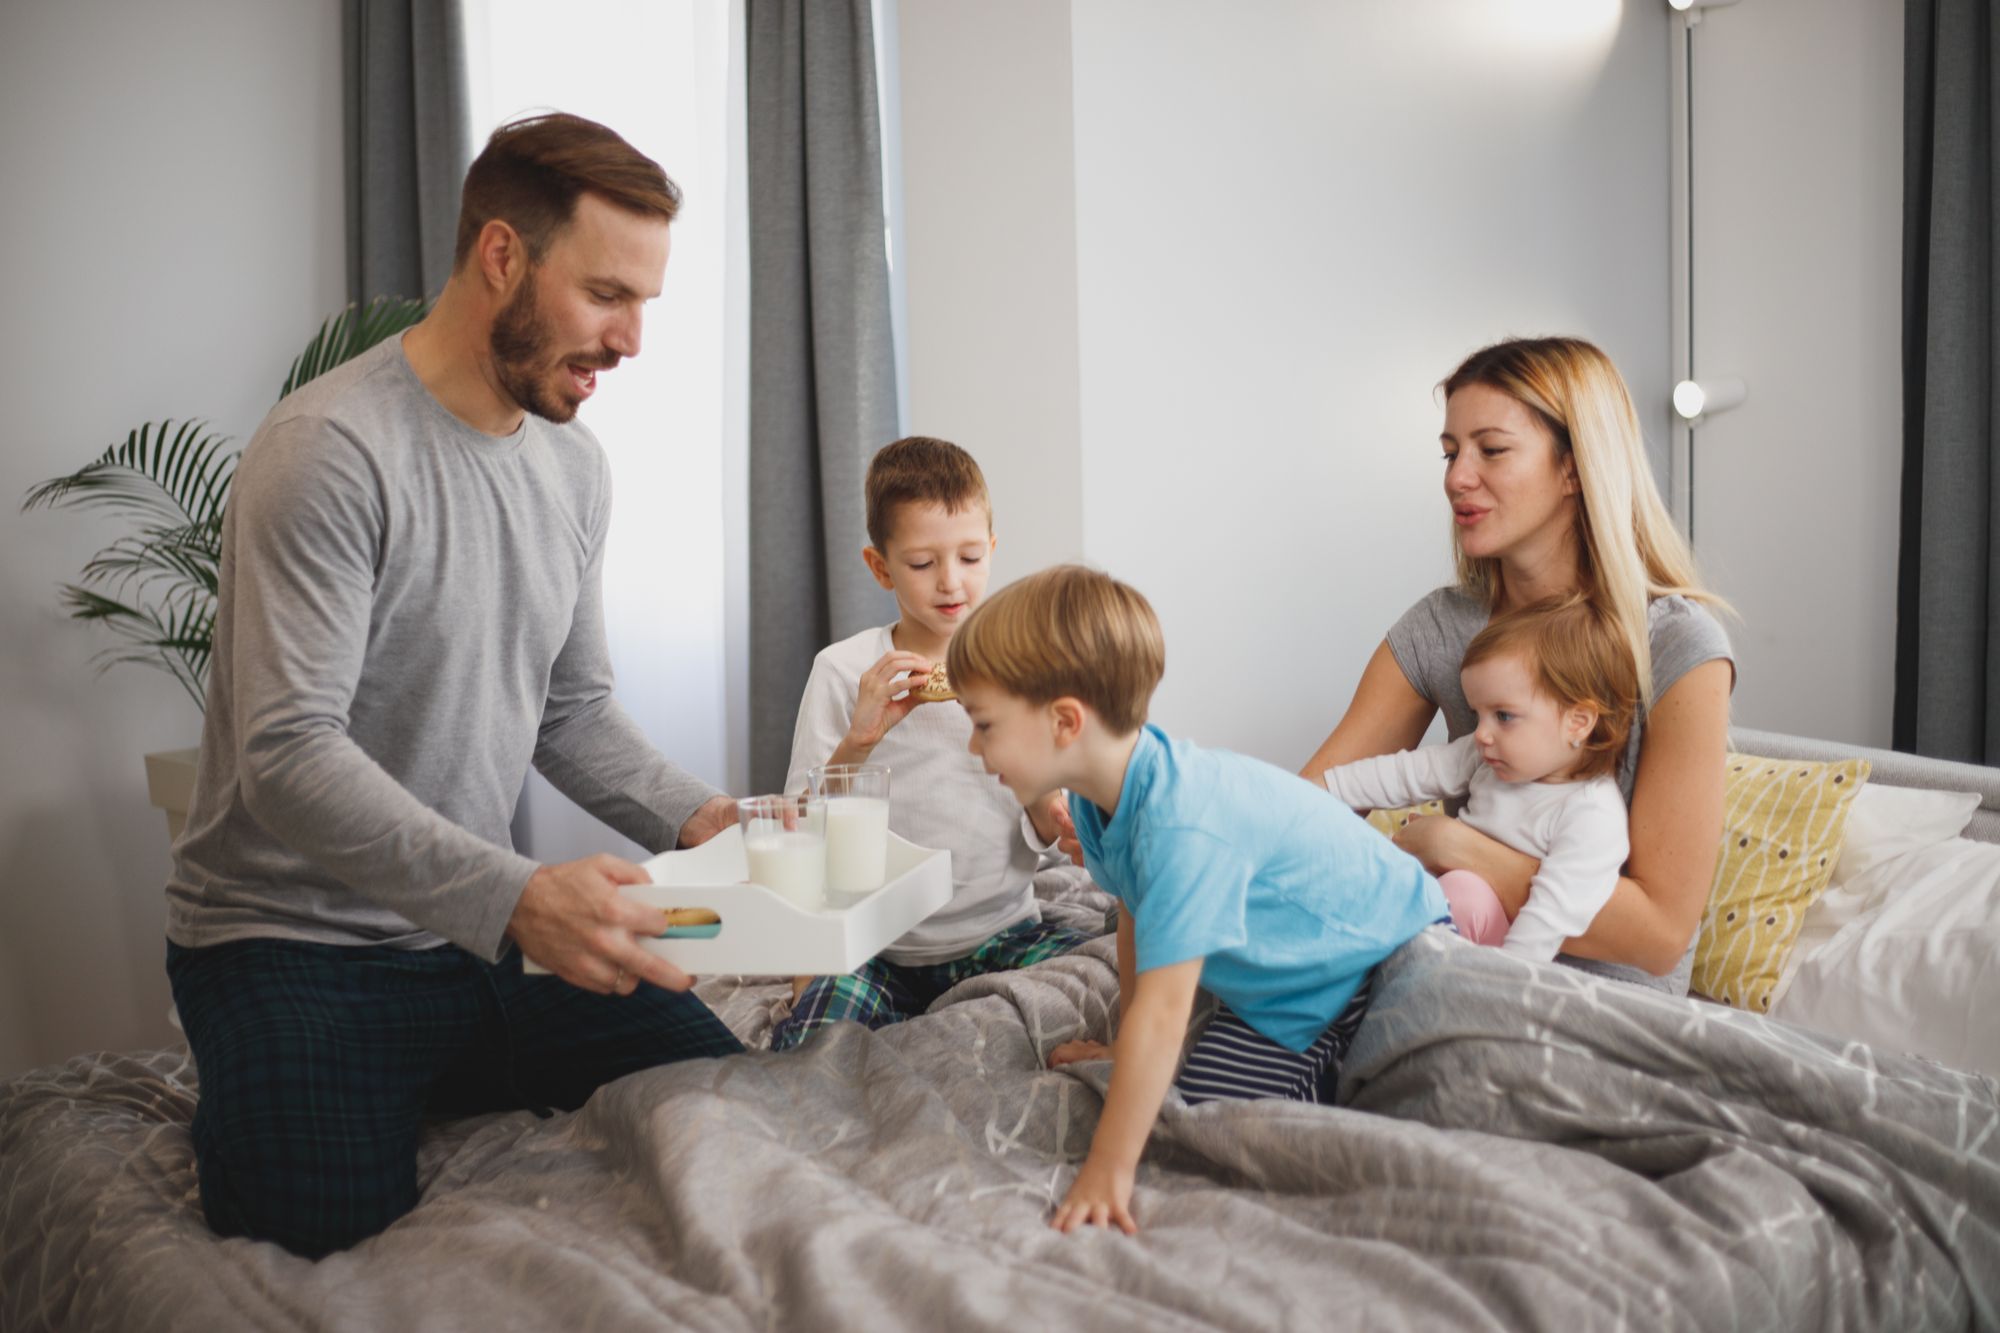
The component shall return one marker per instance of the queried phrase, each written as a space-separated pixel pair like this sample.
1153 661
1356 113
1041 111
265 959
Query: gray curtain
822 364
409 141
1948 594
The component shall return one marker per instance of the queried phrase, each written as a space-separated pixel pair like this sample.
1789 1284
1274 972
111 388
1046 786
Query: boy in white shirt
930 532
1556 692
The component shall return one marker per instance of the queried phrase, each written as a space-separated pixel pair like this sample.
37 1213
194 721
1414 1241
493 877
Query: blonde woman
1550 492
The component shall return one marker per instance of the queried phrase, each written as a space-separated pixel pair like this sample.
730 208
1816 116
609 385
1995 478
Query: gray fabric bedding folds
1520 1146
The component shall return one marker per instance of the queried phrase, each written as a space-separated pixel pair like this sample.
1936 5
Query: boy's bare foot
1071 1052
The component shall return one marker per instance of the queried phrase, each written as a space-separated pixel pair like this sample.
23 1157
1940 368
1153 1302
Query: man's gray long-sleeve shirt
410 614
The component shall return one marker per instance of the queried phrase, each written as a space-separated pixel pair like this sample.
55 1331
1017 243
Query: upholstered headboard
1892 768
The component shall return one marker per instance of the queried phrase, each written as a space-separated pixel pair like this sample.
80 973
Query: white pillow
1883 823
1886 822
1919 969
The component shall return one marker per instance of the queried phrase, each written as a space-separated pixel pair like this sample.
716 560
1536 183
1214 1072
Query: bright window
665 74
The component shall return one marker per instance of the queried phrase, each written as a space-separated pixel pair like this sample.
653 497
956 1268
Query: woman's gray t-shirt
1430 640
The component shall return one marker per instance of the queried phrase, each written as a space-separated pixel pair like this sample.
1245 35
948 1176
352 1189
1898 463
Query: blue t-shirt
1289 895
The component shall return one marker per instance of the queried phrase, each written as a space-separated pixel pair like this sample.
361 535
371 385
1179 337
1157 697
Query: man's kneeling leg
314 1063
568 1042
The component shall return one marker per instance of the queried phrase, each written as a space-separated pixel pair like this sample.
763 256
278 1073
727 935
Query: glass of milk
783 838
856 801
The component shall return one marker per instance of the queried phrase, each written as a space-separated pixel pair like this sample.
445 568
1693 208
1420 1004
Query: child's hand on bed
1070 1052
1100 1196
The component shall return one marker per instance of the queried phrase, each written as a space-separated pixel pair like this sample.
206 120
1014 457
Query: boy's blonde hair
1066 632
921 469
1628 549
1576 656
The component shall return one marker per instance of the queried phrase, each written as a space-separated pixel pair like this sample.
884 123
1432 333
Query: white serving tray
763 933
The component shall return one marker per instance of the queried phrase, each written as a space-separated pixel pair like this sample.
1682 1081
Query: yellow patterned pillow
1387 822
1782 823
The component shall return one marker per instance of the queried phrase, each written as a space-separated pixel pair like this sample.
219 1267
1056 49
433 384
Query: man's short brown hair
533 170
1067 632
921 469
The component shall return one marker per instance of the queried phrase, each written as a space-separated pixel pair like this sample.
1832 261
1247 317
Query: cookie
936 687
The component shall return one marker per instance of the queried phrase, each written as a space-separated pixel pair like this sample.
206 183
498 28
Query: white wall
1798 184
1291 219
174 236
989 249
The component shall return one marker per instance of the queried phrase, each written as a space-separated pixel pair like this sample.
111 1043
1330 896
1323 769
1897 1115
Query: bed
1517 1146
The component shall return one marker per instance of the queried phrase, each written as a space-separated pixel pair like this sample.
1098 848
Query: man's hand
876 709
1070 1052
1100 1196
718 814
572 919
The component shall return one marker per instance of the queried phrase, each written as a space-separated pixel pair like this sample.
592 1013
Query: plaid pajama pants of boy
879 992
320 1063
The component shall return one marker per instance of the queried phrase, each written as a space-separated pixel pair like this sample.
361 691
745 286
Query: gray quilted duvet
1518 1147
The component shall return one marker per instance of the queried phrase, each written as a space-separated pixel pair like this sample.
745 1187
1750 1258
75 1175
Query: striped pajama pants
1233 1061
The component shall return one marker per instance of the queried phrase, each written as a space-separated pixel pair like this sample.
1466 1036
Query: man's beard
520 343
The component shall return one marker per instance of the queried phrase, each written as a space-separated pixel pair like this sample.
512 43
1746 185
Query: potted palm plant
154 588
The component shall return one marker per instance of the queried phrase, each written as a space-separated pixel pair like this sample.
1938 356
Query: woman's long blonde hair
1628 549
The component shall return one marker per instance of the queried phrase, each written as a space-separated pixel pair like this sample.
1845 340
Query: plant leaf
155 587
173 476
350 333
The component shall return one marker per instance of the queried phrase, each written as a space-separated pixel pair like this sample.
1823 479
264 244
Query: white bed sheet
1906 956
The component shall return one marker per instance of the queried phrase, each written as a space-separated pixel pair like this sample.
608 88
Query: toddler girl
1555 691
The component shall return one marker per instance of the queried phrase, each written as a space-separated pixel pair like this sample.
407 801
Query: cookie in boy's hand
936 688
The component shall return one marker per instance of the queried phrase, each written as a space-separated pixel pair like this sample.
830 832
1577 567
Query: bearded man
409 615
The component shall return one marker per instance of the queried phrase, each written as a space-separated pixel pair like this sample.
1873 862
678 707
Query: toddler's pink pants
1475 908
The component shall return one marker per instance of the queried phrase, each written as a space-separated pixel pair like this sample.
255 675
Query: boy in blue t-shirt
1231 874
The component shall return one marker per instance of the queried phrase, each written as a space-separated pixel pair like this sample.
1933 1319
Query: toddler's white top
1578 829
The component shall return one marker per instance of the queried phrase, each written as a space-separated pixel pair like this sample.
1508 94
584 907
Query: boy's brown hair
533 170
1576 658
1067 632
920 469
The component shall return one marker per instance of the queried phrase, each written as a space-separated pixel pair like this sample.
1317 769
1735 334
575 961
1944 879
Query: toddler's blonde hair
1576 656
